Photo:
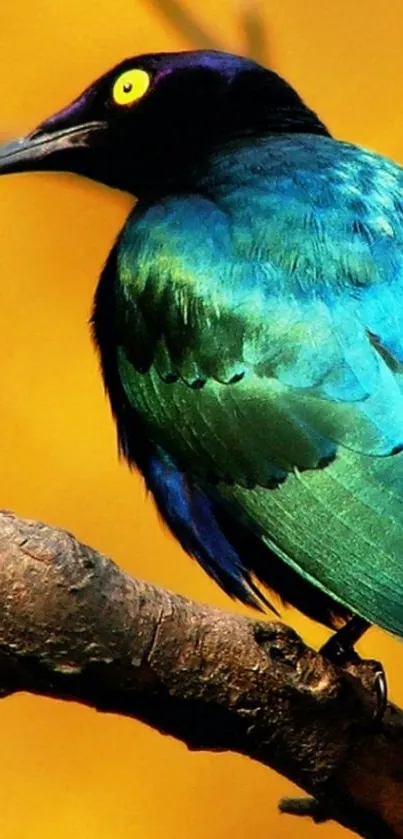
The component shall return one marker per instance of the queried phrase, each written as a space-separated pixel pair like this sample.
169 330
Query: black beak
49 148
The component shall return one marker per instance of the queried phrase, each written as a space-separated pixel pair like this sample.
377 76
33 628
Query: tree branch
73 626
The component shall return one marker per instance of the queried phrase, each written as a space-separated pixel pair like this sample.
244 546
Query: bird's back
258 329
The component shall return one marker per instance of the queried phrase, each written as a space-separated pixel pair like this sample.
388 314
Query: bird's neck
175 170
231 156
281 120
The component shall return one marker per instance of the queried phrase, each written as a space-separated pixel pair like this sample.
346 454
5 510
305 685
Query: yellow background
66 771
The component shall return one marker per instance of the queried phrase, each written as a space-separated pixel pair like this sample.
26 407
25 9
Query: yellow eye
130 86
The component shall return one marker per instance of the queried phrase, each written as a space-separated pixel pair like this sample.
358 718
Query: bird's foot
339 650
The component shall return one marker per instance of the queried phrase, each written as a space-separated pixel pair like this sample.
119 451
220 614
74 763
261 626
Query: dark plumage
249 325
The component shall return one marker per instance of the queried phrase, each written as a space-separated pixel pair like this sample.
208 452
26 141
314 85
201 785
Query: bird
249 325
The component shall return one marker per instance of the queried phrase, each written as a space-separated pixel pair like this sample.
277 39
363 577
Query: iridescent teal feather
267 301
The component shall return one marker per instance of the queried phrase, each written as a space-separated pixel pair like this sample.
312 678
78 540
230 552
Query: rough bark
74 626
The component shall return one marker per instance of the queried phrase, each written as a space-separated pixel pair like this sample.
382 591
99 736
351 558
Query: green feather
341 528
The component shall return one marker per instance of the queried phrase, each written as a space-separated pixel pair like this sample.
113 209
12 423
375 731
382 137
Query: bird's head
144 123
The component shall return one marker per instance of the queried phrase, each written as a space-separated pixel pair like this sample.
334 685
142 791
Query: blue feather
190 515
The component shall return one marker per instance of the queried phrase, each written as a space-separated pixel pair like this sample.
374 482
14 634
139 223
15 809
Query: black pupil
127 87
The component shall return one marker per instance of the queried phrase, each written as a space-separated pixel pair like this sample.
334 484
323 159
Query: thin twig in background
187 24
254 28
249 12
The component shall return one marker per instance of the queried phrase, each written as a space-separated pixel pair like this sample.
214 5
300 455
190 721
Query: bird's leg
339 649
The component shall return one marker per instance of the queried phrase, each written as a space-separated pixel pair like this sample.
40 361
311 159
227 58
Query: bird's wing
259 354
281 330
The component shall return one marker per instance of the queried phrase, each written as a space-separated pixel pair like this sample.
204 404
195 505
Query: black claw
381 693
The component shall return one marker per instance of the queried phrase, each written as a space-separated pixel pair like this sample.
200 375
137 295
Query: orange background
66 771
